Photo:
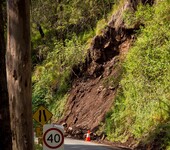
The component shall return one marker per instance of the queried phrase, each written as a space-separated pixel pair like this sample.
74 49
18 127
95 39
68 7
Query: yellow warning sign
39 131
42 115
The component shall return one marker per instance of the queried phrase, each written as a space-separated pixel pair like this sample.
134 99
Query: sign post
53 137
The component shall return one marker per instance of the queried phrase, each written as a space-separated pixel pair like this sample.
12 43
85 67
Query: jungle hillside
104 66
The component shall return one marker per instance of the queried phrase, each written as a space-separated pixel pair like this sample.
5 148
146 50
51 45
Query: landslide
96 81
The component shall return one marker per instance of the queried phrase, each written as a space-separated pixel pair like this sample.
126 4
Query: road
72 144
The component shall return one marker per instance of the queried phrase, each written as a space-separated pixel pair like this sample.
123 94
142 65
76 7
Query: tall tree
19 73
5 130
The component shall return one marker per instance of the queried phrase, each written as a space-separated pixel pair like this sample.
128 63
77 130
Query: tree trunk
5 129
110 5
19 73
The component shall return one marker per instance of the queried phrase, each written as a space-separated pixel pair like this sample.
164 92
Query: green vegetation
38 147
68 28
142 106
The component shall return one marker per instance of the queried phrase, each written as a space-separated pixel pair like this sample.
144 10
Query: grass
142 102
38 147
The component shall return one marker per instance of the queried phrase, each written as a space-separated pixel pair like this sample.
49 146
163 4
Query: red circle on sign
62 138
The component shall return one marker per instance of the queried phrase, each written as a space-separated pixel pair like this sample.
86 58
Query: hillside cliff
118 87
96 81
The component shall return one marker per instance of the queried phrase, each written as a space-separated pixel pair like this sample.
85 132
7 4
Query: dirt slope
94 89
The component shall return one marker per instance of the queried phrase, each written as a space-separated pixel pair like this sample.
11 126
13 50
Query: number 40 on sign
53 137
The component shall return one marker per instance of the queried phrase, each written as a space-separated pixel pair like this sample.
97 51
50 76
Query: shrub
143 100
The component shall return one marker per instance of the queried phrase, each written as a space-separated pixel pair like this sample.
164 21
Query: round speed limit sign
53 137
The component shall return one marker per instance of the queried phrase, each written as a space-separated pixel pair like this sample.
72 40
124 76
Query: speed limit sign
53 138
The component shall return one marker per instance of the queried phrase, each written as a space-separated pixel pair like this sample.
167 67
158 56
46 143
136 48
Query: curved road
72 144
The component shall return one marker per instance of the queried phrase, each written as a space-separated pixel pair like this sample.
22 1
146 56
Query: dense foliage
61 31
142 107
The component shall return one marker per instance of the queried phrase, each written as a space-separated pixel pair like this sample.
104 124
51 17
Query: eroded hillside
118 87
96 81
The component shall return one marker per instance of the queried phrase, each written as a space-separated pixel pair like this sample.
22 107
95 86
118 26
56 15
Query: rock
64 124
100 89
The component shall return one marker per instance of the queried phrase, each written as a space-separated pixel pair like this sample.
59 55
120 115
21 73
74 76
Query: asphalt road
72 144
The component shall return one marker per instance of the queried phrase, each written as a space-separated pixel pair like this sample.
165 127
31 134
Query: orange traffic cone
88 136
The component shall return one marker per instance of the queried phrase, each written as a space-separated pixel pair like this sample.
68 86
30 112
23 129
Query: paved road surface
71 144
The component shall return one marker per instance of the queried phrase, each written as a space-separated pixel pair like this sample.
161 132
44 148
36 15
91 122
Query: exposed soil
93 92
96 81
